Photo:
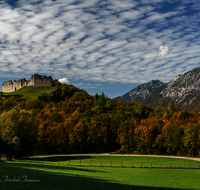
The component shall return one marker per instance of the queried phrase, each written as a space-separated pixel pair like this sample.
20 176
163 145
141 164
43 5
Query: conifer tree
101 106
172 107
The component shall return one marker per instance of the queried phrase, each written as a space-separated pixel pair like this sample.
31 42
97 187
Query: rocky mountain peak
144 89
141 92
183 89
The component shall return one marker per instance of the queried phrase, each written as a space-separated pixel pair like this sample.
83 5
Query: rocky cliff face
183 86
183 89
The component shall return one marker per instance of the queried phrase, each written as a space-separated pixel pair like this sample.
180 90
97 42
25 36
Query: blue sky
108 46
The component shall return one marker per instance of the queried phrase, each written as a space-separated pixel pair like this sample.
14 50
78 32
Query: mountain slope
142 92
183 89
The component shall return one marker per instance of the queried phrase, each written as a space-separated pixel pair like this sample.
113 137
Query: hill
28 92
76 122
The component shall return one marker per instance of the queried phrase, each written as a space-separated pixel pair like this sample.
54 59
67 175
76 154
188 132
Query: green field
52 176
29 92
118 161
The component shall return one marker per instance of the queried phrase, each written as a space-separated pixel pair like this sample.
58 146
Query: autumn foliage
76 122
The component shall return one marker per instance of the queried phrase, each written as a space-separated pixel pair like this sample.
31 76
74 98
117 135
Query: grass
58 177
118 161
29 92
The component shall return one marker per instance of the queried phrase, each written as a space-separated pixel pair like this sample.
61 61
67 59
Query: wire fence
115 164
5 156
103 163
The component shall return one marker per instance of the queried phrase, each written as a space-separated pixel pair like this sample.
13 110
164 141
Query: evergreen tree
172 107
101 106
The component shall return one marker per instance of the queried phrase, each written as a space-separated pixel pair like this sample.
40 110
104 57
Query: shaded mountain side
141 92
155 96
125 97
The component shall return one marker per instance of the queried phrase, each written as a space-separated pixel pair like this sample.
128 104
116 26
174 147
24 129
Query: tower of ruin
35 80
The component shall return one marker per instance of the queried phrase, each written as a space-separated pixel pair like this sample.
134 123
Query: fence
5 156
90 163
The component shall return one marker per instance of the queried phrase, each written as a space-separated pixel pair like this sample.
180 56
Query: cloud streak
105 41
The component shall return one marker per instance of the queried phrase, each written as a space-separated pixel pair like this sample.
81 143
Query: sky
108 46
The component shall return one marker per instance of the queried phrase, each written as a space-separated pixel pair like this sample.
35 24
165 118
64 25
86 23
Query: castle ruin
35 80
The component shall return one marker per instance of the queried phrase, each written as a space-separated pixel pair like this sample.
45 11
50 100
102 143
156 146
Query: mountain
141 92
183 89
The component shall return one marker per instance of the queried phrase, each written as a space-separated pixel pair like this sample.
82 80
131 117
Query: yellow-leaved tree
18 132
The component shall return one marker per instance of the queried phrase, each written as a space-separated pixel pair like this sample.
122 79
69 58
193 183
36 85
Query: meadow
117 161
58 174
29 92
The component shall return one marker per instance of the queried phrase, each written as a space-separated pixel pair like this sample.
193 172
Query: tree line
76 122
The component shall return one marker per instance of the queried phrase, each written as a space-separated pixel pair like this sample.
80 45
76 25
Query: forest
76 122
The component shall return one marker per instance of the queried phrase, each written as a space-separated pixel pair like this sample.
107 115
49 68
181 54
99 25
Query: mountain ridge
182 89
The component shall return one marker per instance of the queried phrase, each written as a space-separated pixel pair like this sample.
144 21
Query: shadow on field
18 96
58 180
35 166
60 158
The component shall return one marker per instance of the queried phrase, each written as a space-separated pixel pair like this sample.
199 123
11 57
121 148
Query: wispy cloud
115 41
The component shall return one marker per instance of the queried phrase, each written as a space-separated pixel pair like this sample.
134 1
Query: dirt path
190 158
108 154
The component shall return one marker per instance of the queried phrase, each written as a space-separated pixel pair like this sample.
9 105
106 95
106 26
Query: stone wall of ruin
7 86
39 80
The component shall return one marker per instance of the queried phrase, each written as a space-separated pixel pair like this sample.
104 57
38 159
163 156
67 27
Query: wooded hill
76 122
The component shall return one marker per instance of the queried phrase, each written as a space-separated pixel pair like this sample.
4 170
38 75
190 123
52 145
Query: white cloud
163 51
115 42
64 80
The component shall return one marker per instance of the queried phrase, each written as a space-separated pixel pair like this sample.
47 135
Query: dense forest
76 122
